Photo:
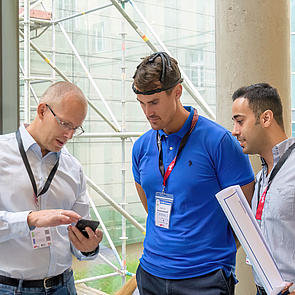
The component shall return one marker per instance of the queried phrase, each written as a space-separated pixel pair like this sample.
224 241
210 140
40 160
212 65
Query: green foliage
108 285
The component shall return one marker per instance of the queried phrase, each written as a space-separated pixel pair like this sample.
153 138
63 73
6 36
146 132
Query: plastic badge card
243 222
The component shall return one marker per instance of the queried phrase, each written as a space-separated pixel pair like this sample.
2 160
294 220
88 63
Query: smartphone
82 223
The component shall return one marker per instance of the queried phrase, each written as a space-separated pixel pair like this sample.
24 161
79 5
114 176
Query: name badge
163 209
41 237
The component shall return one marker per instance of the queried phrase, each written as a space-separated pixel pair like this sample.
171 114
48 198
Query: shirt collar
186 126
279 149
28 140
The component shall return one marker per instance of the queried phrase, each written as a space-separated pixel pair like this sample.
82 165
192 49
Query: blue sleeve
233 167
135 162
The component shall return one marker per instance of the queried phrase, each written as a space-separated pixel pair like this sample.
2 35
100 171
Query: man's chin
155 126
247 151
57 149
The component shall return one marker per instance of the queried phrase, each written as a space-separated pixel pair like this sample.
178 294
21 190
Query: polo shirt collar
186 126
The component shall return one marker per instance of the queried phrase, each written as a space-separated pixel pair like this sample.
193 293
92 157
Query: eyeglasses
66 126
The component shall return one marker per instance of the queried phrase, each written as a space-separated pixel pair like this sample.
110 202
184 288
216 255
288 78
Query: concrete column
252 46
9 59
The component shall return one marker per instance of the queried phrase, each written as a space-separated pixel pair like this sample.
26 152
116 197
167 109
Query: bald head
57 92
62 104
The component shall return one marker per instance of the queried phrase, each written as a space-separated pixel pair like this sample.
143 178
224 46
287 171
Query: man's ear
266 118
41 108
178 90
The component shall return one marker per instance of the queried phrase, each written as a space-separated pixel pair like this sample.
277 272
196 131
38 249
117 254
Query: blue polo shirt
199 239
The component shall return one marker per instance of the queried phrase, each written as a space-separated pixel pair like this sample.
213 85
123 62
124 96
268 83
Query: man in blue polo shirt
178 166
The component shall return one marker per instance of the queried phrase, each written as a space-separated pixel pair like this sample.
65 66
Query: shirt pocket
281 203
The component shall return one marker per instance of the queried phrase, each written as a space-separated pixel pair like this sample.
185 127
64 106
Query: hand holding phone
83 223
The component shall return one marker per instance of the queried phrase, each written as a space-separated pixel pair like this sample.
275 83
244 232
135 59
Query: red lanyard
261 205
181 146
274 172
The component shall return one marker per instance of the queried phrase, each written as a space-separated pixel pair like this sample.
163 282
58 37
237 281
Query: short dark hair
155 68
262 97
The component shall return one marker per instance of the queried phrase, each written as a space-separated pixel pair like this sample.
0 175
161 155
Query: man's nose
236 130
69 133
149 110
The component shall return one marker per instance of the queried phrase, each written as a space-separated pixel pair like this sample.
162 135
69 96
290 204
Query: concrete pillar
9 63
252 46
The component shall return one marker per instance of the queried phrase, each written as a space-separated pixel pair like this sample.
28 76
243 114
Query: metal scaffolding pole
51 64
97 278
81 13
30 7
116 206
90 78
31 87
188 85
53 39
106 233
27 61
123 144
122 134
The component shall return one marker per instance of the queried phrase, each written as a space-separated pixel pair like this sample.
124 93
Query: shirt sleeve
81 257
81 205
233 167
13 225
135 162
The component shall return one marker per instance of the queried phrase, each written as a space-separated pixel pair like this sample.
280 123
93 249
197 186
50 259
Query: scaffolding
37 22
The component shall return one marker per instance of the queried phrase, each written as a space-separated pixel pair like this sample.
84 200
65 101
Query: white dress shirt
67 191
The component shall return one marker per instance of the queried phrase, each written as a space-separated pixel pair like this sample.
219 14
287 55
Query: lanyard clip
163 186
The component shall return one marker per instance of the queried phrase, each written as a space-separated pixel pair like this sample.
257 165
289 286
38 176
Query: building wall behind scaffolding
187 29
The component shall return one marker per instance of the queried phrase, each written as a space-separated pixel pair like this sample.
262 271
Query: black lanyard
181 146
275 170
29 170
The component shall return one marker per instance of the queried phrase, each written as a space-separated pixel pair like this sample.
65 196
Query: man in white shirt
42 192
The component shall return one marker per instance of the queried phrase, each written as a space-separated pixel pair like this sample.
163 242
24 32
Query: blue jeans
65 288
260 291
214 283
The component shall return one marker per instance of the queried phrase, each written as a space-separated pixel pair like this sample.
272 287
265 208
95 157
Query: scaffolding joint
123 203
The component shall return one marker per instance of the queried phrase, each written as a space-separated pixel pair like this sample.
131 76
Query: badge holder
163 209
41 237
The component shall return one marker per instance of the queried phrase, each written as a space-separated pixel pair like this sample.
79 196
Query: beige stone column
252 46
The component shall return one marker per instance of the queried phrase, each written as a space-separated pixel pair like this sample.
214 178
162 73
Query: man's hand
44 218
83 244
286 291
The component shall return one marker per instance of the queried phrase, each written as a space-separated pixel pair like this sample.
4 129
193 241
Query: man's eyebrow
150 101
